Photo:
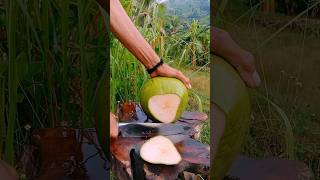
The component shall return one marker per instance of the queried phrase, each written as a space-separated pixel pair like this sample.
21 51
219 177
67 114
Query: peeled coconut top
164 98
160 150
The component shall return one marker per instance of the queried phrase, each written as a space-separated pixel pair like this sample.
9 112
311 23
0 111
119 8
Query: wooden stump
127 164
63 153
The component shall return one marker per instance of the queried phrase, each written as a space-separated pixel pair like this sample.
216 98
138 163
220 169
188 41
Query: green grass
2 113
65 62
47 56
285 108
12 81
83 61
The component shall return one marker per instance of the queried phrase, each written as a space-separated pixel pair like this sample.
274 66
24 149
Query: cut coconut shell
160 150
231 105
164 99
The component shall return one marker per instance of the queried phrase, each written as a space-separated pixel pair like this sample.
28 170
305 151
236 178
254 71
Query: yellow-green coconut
164 99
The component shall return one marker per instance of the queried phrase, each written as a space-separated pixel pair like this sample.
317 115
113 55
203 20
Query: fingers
168 71
184 79
113 126
256 79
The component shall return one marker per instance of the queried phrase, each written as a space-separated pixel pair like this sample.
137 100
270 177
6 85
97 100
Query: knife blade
153 129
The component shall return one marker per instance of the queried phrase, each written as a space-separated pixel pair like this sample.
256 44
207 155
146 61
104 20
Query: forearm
123 28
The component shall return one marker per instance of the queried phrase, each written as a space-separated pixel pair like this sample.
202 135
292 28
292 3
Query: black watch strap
151 70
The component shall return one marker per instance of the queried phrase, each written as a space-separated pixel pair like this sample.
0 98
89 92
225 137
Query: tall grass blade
2 112
12 13
222 7
47 59
25 12
289 130
83 63
65 64
199 102
253 8
287 24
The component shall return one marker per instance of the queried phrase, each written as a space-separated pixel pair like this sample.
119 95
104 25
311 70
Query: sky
161 1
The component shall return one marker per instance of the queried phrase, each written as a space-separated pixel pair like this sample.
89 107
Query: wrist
155 67
152 62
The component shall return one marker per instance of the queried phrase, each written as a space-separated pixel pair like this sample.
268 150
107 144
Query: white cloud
161 1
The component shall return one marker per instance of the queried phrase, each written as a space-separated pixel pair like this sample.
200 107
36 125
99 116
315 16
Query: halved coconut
160 150
164 99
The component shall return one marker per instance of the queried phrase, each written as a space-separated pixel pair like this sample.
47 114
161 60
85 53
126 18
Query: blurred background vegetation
52 54
284 36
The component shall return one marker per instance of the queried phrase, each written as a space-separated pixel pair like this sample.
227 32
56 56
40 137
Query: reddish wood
127 111
196 159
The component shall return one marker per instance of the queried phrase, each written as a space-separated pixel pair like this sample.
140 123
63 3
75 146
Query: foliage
51 60
189 10
289 7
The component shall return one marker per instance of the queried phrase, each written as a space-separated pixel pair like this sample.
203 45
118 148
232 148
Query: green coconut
231 111
164 99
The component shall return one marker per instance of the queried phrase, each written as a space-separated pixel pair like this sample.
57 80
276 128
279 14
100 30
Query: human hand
245 64
113 126
241 59
167 71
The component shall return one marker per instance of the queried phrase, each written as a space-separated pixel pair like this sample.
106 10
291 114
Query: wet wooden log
132 112
195 159
196 120
127 164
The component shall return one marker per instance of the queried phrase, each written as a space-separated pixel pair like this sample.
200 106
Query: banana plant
196 43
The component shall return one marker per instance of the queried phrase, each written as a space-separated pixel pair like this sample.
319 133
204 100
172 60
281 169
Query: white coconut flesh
160 150
164 107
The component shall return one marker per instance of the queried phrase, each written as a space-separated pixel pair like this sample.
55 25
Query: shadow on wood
269 169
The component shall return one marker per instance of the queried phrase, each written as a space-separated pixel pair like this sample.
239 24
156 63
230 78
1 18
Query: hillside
188 10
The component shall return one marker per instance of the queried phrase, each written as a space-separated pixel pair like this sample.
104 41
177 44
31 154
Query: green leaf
3 67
